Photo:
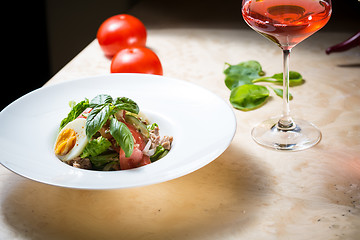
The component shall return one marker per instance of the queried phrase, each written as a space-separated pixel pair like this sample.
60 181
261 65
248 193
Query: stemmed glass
286 23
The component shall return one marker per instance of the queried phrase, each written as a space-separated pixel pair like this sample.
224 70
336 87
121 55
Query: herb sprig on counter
245 94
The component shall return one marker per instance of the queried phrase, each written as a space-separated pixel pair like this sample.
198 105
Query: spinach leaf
248 97
76 110
280 92
126 104
240 79
122 135
96 119
295 79
242 73
96 147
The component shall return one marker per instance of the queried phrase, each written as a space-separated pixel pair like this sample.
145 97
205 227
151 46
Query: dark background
40 37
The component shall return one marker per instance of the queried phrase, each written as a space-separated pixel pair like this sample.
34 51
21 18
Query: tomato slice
137 159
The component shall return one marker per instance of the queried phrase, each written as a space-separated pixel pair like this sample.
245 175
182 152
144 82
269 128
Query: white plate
201 123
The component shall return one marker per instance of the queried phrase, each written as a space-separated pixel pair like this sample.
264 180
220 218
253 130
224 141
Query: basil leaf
280 93
76 110
126 104
248 97
100 99
96 119
242 73
122 135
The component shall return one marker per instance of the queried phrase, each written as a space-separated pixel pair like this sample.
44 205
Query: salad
109 134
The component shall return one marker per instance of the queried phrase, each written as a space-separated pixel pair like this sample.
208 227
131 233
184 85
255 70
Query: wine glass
286 23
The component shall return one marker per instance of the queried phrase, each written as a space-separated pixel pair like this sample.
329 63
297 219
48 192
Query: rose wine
286 22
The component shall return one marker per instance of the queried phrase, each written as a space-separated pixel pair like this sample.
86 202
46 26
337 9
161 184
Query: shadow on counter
222 198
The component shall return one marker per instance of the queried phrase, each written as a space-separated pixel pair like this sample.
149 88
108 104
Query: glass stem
286 122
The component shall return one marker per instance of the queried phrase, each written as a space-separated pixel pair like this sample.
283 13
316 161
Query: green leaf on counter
242 73
295 79
248 97
280 92
245 94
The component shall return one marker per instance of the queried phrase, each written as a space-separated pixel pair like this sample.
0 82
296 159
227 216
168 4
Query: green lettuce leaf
96 147
76 110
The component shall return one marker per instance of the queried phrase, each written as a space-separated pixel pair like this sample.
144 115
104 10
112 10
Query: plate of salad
114 131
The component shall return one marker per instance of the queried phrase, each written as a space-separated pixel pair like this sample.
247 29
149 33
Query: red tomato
121 31
136 60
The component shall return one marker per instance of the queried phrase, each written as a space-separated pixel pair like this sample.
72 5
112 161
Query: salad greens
95 147
76 110
245 94
103 108
104 161
113 135
295 79
160 152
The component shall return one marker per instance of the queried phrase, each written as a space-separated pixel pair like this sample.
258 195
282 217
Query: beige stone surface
249 192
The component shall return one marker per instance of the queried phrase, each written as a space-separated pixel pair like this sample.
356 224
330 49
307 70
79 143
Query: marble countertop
249 192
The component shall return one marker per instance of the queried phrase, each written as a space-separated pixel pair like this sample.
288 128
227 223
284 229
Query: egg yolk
65 142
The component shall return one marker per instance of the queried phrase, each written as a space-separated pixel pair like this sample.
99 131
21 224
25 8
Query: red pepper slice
352 42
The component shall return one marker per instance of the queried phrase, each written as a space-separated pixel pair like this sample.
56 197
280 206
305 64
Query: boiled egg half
71 141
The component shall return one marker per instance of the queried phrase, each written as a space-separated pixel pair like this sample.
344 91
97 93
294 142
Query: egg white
78 125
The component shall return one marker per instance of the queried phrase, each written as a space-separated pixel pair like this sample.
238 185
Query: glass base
301 136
